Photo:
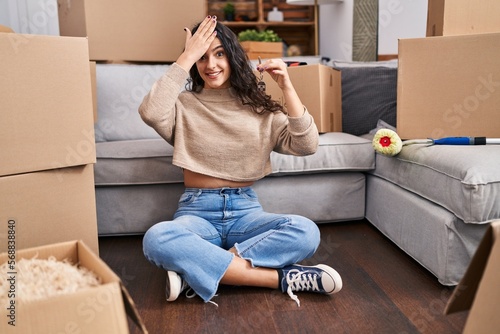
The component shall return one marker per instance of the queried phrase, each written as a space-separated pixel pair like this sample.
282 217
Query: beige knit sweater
214 134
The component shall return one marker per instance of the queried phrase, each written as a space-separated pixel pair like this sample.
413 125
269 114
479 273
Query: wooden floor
385 291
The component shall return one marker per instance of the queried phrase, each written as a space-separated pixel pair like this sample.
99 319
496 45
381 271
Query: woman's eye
220 54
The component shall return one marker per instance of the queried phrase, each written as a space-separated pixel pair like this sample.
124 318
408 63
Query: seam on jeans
259 226
265 237
242 257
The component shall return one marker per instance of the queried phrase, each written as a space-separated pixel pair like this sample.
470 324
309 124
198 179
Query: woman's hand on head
277 69
197 44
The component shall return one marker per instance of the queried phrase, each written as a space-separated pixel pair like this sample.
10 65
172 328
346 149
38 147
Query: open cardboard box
101 309
319 88
479 289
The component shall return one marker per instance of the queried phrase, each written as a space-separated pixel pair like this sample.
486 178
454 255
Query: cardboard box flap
90 260
77 252
60 251
132 310
464 293
479 289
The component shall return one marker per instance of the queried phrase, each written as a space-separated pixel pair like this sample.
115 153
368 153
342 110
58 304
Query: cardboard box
93 84
265 50
101 309
479 290
46 103
449 86
50 206
129 30
5 29
462 17
319 89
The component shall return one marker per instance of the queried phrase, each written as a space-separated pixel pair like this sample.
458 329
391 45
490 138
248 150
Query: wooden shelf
266 24
298 27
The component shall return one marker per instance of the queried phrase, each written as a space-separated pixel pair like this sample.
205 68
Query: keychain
261 85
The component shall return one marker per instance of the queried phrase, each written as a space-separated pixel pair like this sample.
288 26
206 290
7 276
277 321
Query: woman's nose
211 62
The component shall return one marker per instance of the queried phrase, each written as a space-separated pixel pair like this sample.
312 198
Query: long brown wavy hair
242 79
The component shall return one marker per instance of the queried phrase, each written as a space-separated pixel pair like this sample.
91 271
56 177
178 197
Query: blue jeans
208 222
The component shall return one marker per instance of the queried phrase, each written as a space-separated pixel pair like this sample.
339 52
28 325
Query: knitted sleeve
298 136
158 108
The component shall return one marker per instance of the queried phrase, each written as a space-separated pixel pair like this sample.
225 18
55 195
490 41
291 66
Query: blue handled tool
466 141
454 141
387 141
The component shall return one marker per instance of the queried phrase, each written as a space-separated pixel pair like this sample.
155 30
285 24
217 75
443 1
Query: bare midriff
196 180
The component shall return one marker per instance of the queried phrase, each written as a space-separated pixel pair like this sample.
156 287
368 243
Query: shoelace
191 294
300 281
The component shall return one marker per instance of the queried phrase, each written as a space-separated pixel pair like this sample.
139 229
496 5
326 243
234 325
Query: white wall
335 30
397 19
30 16
400 19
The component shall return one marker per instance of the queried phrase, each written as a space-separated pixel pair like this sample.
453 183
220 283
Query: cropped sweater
215 134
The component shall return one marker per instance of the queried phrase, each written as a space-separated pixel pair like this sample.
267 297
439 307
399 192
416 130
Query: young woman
223 129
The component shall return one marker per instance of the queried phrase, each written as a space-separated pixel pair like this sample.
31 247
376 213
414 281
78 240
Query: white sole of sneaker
335 276
173 287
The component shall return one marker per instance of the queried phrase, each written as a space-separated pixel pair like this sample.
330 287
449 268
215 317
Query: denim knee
149 242
310 236
153 241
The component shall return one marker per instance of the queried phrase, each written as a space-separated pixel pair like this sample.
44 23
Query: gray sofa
137 185
433 202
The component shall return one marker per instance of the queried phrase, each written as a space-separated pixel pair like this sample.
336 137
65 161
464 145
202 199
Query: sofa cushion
368 95
132 162
120 90
149 161
463 179
337 152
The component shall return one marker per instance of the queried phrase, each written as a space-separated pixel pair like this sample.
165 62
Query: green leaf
258 36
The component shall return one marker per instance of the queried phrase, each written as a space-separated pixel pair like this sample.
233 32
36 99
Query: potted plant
228 10
266 43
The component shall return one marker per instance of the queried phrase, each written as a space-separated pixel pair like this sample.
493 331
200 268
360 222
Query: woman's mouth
213 75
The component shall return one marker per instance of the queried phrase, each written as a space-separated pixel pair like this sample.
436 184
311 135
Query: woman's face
214 67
